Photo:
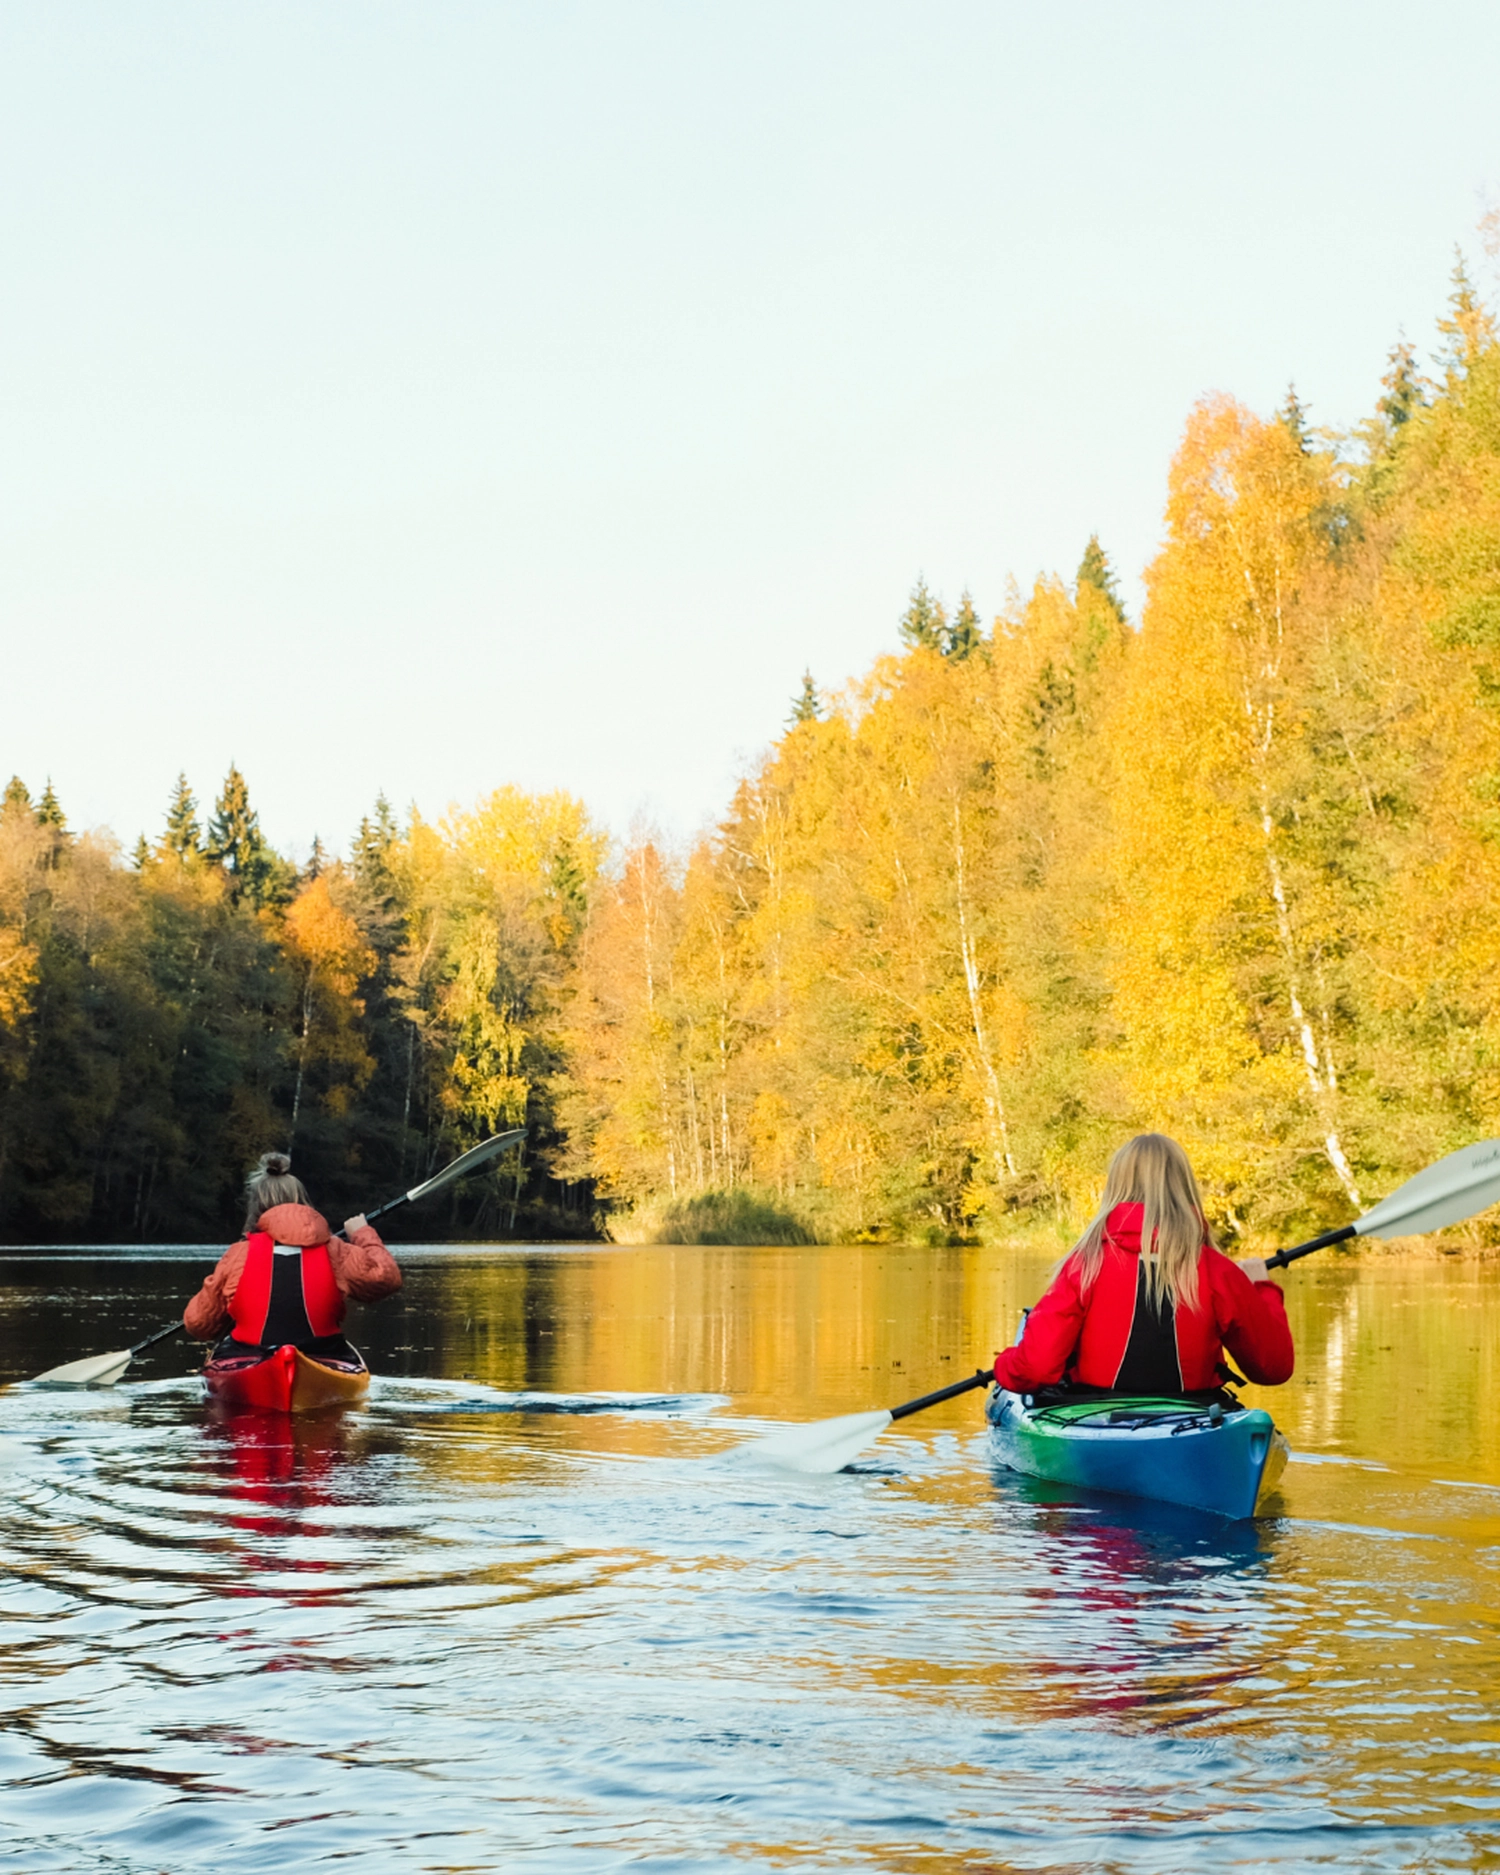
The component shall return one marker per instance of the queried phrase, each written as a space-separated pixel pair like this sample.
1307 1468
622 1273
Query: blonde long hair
1153 1172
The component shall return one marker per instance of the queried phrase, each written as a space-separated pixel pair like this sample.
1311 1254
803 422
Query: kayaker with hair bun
287 1280
1145 1302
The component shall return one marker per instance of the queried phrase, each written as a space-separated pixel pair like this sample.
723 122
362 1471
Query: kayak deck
286 1381
1225 1460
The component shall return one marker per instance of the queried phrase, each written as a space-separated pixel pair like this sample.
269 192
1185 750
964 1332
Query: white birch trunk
1005 1165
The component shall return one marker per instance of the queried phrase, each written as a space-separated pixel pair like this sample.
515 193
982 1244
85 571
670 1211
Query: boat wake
464 1397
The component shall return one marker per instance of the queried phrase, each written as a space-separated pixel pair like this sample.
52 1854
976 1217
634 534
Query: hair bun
278 1164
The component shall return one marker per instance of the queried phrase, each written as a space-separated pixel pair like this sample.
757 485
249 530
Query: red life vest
296 1308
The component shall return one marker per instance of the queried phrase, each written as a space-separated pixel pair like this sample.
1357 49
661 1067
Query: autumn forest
1231 869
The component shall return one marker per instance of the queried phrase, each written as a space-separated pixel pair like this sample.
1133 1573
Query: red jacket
362 1267
1084 1335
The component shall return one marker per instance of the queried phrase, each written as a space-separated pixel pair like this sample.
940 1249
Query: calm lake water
512 1613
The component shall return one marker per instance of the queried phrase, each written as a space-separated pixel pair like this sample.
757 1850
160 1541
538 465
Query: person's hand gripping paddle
103 1370
1462 1185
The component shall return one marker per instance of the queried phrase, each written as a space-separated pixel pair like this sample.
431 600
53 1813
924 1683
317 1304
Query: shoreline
1043 1242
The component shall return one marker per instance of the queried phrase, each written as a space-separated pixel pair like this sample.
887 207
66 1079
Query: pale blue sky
430 396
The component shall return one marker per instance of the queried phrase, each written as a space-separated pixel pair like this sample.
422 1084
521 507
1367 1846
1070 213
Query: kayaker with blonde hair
287 1281
1146 1302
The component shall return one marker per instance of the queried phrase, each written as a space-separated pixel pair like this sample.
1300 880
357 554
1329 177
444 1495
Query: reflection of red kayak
286 1381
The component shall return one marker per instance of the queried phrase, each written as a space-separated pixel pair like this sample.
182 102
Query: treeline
164 1021
1233 872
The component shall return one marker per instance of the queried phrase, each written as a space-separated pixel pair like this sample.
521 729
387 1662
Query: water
470 1628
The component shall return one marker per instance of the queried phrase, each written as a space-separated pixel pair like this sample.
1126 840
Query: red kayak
286 1381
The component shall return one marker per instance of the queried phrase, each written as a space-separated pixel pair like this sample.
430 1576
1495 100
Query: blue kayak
1214 1458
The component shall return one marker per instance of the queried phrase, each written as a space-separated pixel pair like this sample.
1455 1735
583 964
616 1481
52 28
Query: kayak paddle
103 1370
1460 1186
460 1167
830 1444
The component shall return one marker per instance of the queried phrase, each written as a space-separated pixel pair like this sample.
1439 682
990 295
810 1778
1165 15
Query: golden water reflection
1397 1361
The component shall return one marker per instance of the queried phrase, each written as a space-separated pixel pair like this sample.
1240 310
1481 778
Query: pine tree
236 843
317 860
963 636
16 800
1403 388
371 852
923 620
1293 418
234 835
141 857
184 836
1468 331
1096 573
48 811
372 847
805 705
568 887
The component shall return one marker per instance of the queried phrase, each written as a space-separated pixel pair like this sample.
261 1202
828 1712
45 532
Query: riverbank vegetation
1231 870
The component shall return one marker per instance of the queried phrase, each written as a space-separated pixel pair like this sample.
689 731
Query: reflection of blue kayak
1223 1459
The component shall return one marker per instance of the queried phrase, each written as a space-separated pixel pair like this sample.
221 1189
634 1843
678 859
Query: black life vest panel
1150 1364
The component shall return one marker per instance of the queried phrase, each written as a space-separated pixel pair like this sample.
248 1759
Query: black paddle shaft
466 1162
391 1205
157 1334
1283 1257
981 1378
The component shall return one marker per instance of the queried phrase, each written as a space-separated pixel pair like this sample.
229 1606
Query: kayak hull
286 1381
1170 1450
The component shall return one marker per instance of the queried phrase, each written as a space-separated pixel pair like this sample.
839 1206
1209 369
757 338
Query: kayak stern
286 1381
1172 1450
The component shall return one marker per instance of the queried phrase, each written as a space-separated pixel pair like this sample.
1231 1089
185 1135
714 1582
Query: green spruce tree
962 638
48 811
1468 331
1096 574
49 817
236 843
923 620
377 834
184 836
1293 417
568 883
805 704
1403 390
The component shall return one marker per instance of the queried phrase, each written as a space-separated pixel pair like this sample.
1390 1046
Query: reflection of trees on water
54 1309
788 1331
1395 1357
1399 1358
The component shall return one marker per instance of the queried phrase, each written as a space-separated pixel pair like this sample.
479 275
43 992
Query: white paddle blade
94 1370
467 1162
1457 1187
826 1445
